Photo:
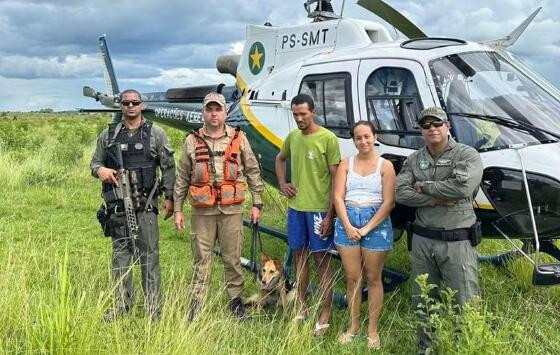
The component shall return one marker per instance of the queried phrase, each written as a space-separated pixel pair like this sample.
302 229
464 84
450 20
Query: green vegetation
55 273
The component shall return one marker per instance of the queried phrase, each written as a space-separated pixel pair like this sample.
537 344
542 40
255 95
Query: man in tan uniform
215 164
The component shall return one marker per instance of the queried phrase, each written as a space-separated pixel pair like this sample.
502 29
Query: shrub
466 329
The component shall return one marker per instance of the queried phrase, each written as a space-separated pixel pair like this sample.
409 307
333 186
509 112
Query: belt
453 235
363 204
119 209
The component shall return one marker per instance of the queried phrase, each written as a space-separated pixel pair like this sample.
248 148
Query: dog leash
256 236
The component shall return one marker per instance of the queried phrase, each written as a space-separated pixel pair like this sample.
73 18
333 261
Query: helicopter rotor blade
393 17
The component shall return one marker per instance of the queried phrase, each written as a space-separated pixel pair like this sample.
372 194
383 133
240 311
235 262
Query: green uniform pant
148 253
205 230
448 264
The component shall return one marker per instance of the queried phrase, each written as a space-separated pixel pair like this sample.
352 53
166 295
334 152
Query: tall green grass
55 281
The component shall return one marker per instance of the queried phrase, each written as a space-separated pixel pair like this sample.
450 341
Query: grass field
55 279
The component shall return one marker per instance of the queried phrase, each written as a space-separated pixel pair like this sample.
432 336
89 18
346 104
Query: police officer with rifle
126 160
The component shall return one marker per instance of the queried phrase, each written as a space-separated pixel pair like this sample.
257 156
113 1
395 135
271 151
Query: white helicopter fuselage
336 62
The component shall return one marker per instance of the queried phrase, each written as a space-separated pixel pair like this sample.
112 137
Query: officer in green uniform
144 148
441 180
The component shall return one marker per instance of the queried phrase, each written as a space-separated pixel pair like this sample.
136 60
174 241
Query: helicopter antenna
323 10
342 7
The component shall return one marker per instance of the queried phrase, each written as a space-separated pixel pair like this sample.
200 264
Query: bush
467 329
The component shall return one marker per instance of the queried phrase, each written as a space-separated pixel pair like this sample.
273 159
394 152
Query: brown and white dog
272 285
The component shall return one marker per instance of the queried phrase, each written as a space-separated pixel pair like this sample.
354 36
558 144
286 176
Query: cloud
237 47
180 77
49 46
35 94
72 66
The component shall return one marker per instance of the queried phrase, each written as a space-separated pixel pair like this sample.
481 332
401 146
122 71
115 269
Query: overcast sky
48 49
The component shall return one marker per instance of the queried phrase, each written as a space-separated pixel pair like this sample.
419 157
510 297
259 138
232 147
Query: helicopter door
392 94
332 87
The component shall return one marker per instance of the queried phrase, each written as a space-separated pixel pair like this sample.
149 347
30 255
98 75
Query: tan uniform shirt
248 165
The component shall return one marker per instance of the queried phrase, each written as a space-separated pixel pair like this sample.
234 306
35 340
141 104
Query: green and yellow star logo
256 58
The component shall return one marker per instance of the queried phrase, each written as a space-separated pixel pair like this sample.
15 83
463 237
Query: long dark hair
362 123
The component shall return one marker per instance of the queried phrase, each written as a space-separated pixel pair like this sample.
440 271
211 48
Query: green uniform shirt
454 175
310 156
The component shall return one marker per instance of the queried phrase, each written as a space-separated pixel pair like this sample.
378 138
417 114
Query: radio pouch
103 218
476 234
409 233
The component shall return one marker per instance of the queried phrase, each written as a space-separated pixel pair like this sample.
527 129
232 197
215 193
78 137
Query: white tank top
364 189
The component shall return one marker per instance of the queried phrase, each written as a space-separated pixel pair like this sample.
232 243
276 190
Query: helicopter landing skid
543 274
500 259
391 278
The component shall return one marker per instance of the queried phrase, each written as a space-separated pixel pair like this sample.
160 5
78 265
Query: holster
409 232
476 234
103 218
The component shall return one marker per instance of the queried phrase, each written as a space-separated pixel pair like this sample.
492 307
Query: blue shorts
379 239
303 231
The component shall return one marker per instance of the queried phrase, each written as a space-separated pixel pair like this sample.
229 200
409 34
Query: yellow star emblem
256 57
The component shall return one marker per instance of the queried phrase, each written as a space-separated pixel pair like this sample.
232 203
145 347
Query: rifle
124 193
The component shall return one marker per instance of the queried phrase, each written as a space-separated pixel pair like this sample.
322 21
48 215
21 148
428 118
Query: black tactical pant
148 257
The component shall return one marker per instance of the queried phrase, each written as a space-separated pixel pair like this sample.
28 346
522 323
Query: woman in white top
364 195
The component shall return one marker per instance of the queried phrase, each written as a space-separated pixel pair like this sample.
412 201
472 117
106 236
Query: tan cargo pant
228 230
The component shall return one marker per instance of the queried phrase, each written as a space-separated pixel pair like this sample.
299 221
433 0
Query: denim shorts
379 239
303 231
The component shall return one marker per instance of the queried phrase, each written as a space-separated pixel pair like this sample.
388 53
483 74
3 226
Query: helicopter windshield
484 83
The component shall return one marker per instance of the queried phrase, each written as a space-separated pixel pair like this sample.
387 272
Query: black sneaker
238 309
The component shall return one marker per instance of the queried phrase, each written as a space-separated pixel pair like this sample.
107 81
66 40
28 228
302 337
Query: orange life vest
204 194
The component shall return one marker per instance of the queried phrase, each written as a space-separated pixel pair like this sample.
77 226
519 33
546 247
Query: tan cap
214 97
434 112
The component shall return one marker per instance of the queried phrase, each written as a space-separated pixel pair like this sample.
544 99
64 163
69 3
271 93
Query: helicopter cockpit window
393 104
331 93
486 84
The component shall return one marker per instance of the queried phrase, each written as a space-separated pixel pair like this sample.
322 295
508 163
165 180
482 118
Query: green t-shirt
310 157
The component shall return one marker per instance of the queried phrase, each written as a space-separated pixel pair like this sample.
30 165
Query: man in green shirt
314 154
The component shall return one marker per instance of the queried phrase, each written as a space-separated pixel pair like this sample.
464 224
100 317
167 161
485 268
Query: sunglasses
427 125
127 103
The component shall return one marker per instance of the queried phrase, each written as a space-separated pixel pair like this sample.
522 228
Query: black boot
155 315
193 311
238 309
115 313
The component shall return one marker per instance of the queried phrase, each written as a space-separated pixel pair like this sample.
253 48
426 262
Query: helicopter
355 70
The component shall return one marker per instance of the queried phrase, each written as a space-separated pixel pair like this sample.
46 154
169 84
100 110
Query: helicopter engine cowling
227 64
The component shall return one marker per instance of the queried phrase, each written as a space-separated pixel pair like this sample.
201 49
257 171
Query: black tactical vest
135 153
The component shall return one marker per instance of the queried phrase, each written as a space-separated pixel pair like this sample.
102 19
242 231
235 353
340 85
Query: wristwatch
258 205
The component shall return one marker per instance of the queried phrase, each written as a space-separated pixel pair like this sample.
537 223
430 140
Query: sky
49 48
